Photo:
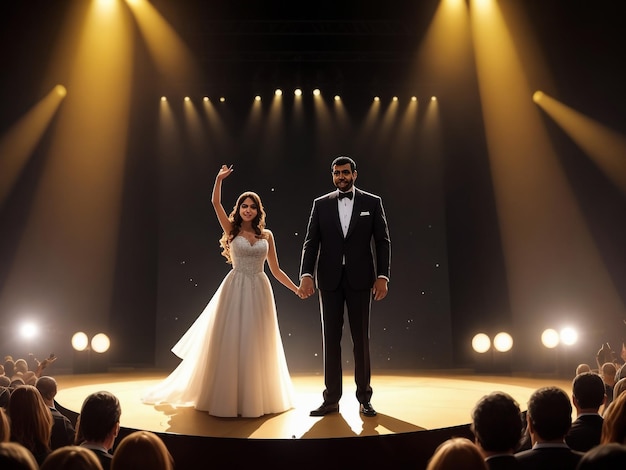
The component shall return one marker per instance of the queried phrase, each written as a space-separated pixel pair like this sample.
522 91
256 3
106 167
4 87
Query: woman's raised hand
224 172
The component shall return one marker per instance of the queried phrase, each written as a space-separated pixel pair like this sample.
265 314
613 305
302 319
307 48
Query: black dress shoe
367 409
325 409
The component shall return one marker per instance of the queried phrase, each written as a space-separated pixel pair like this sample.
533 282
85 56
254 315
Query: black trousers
333 305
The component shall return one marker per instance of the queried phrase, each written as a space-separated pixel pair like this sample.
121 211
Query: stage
418 410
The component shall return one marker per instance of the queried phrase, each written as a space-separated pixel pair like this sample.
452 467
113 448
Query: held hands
306 288
224 172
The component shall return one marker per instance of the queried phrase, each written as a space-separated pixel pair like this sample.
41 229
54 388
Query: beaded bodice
246 257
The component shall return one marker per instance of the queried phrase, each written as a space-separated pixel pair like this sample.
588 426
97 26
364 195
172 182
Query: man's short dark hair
497 422
99 414
588 389
343 160
550 412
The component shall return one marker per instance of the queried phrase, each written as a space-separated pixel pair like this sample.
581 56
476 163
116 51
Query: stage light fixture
317 92
433 98
395 98
413 98
537 96
80 341
337 98
481 343
205 99
222 99
376 98
187 98
550 338
163 98
29 330
61 90
278 92
100 343
569 336
298 92
503 342
257 98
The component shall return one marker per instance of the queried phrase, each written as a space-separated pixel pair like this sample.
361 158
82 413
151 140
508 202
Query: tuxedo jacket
366 249
551 458
585 432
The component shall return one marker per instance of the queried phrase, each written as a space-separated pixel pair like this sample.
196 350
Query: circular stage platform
416 411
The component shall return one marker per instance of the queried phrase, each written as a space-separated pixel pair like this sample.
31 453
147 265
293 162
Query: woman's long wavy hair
258 223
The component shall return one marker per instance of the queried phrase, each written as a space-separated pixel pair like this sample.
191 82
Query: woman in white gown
233 363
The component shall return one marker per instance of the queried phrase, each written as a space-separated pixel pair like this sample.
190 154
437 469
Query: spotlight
413 98
222 99
376 98
298 92
433 98
503 342
337 98
61 90
80 341
163 98
317 92
100 343
187 98
481 343
205 99
537 96
395 98
257 98
550 338
278 92
29 330
569 336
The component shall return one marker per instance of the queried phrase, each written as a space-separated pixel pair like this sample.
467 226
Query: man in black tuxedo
588 395
348 249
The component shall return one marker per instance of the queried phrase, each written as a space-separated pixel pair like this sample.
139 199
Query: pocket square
365 213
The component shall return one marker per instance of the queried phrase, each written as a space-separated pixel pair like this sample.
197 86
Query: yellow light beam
551 260
606 147
19 142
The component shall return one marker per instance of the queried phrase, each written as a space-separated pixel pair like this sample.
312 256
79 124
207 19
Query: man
63 432
99 424
338 251
497 427
549 418
588 396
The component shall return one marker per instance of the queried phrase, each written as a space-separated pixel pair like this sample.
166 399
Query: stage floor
405 402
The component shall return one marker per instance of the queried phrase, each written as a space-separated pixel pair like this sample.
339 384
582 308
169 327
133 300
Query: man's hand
306 288
380 289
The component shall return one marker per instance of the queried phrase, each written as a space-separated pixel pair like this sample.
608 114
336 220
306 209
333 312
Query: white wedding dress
233 363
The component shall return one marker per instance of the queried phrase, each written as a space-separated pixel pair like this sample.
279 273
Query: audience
72 458
31 421
63 433
5 426
5 396
14 456
548 419
588 395
619 388
607 372
604 457
99 424
583 368
497 427
614 427
142 449
457 453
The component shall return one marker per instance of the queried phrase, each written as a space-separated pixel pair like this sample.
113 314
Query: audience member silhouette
497 427
5 396
619 388
4 381
457 453
5 426
583 368
98 425
31 421
63 433
588 395
548 420
604 457
614 427
73 458
9 367
14 456
607 372
142 449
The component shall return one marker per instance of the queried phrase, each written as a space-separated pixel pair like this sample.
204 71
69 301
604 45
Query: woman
142 449
233 359
457 453
31 421
72 458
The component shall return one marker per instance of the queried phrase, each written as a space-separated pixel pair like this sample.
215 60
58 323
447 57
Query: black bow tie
342 195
